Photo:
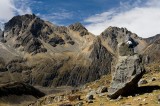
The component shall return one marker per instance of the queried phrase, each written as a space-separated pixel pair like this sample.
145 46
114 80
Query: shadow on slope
142 90
147 89
16 93
19 89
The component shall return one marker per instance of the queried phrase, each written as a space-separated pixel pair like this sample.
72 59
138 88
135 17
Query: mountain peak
79 27
115 29
19 21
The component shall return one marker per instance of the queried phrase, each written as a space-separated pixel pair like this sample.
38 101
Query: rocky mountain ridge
40 53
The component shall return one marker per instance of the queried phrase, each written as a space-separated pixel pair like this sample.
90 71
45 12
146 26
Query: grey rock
102 89
100 65
129 70
153 79
125 50
102 94
142 81
90 101
119 98
56 40
89 97
92 92
146 60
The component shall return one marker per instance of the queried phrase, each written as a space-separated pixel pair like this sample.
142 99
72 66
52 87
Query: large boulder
128 72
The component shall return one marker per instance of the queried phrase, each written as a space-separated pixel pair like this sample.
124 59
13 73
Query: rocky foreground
70 58
96 94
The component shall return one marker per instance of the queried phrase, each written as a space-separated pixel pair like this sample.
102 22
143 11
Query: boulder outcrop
129 70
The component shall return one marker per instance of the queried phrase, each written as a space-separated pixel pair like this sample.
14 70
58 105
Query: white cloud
10 8
141 18
56 16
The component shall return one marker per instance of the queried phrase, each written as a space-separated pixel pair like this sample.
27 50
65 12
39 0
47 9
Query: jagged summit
19 20
79 27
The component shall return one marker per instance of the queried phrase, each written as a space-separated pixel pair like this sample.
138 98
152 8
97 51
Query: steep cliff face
152 51
74 69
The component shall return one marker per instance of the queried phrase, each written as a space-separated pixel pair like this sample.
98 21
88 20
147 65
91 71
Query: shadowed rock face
129 70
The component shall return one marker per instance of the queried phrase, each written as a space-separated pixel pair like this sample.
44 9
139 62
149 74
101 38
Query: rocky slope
39 53
147 94
152 52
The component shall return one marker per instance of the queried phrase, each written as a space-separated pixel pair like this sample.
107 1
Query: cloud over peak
140 17
10 8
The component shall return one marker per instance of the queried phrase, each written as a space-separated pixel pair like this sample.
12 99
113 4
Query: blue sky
70 11
139 16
